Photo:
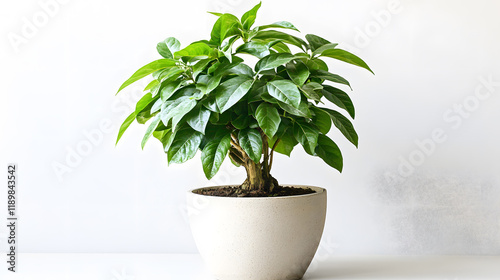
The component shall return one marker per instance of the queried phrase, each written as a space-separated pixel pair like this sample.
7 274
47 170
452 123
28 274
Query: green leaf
169 89
200 66
297 71
154 91
346 57
241 122
211 82
285 125
156 106
243 70
198 49
147 70
125 125
158 134
339 98
213 154
150 130
329 152
311 89
168 47
286 144
198 119
143 108
210 104
226 26
258 89
323 48
268 118
266 97
151 84
344 125
215 14
223 119
189 91
258 49
321 74
302 111
315 64
207 84
306 135
316 41
227 47
278 35
214 132
248 18
251 142
170 74
285 91
176 110
313 86
166 137
281 48
231 91
279 24
272 61
322 120
145 101
184 145
160 131
144 116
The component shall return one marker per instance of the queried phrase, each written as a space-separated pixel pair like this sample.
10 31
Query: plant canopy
205 97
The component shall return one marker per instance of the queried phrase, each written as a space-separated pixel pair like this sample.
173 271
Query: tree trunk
255 180
258 174
258 179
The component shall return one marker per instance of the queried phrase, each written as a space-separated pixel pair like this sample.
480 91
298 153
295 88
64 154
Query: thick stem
258 177
265 150
236 156
238 148
254 180
272 154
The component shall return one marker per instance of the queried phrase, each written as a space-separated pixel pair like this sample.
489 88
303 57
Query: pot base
258 238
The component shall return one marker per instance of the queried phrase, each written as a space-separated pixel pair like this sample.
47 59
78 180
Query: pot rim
318 191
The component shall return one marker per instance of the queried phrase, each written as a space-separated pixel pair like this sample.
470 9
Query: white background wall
58 84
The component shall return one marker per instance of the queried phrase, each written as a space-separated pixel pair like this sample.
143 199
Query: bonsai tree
205 96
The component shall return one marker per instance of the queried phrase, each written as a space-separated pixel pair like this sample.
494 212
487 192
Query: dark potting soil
238 192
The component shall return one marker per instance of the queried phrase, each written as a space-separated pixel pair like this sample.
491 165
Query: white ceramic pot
262 238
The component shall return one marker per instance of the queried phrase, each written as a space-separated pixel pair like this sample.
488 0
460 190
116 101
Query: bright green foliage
213 154
205 97
251 142
268 118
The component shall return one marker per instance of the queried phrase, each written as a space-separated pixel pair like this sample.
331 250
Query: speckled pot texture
260 238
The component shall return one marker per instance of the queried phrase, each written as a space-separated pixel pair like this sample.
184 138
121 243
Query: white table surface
190 267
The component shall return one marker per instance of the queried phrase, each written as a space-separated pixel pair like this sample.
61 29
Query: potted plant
206 97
